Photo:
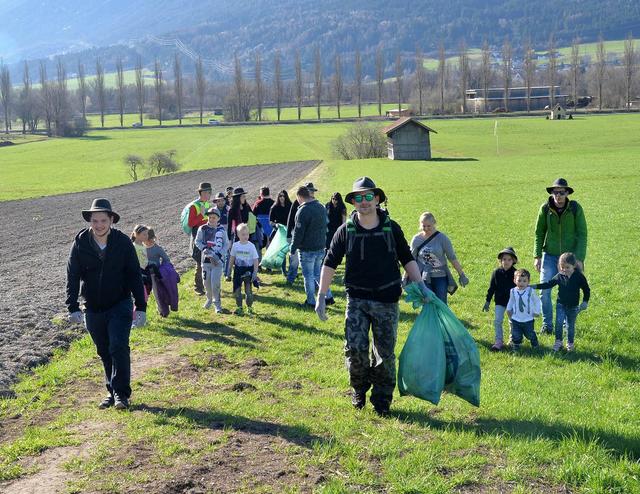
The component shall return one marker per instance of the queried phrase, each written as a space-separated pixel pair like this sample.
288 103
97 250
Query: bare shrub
360 142
133 163
73 127
161 163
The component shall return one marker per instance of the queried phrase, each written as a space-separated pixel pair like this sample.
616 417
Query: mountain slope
216 29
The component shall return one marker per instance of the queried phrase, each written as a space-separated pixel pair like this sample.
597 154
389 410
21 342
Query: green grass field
547 423
109 79
614 49
269 114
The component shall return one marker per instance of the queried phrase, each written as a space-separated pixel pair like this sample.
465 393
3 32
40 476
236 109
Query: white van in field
213 121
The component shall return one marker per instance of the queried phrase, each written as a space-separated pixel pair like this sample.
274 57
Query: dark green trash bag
278 248
462 361
421 367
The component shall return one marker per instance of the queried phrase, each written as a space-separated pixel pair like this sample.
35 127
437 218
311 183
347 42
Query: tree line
41 101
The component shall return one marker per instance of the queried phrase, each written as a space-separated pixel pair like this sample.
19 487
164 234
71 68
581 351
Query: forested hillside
216 29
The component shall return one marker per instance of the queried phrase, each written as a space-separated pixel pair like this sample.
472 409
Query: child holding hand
570 280
500 286
524 305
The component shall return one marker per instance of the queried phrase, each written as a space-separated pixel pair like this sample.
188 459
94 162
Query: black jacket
369 265
279 214
500 285
310 231
103 283
291 220
568 288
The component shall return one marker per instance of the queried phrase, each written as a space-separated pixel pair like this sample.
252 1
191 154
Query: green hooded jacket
558 234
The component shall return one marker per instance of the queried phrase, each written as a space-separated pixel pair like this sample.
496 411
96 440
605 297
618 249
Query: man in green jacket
561 227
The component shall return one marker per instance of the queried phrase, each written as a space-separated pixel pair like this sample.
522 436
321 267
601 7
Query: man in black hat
561 227
103 268
374 246
197 218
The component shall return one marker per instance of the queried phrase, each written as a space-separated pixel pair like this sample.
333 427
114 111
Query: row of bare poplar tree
48 101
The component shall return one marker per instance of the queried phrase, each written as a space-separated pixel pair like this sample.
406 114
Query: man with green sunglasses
374 247
560 227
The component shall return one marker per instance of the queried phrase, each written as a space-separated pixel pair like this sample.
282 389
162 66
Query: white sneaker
207 304
569 347
557 346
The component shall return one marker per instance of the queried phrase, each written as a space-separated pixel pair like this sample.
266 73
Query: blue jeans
520 329
294 262
439 287
497 323
568 314
549 270
109 331
311 263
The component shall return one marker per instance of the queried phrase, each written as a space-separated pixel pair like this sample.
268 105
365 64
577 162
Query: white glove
321 306
76 317
141 319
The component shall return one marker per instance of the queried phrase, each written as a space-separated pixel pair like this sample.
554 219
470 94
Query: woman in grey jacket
431 250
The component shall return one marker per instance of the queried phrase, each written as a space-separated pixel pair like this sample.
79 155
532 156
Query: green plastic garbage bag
461 364
278 248
421 367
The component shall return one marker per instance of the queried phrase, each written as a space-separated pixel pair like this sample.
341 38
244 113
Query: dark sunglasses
559 193
368 196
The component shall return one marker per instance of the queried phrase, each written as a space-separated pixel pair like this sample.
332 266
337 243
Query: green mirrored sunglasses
368 196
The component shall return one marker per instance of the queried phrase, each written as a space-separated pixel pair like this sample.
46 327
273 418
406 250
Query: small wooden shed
557 113
408 139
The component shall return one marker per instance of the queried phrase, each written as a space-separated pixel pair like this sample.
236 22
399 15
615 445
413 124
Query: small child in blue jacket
570 280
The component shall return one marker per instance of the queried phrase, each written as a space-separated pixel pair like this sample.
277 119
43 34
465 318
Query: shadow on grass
622 361
302 328
210 331
94 138
454 159
621 446
299 435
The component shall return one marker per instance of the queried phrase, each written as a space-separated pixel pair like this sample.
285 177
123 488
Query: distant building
395 113
540 97
408 139
557 113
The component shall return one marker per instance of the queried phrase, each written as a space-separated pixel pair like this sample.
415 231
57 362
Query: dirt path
37 233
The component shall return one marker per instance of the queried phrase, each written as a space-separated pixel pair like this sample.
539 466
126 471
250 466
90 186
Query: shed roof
404 121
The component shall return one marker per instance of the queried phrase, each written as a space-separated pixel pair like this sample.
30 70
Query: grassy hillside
95 161
547 423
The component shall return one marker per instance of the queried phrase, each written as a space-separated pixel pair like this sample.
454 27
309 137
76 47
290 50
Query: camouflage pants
376 367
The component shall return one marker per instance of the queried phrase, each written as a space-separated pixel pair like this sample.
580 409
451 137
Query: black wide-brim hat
560 182
100 206
204 186
220 195
363 184
238 191
510 251
311 187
